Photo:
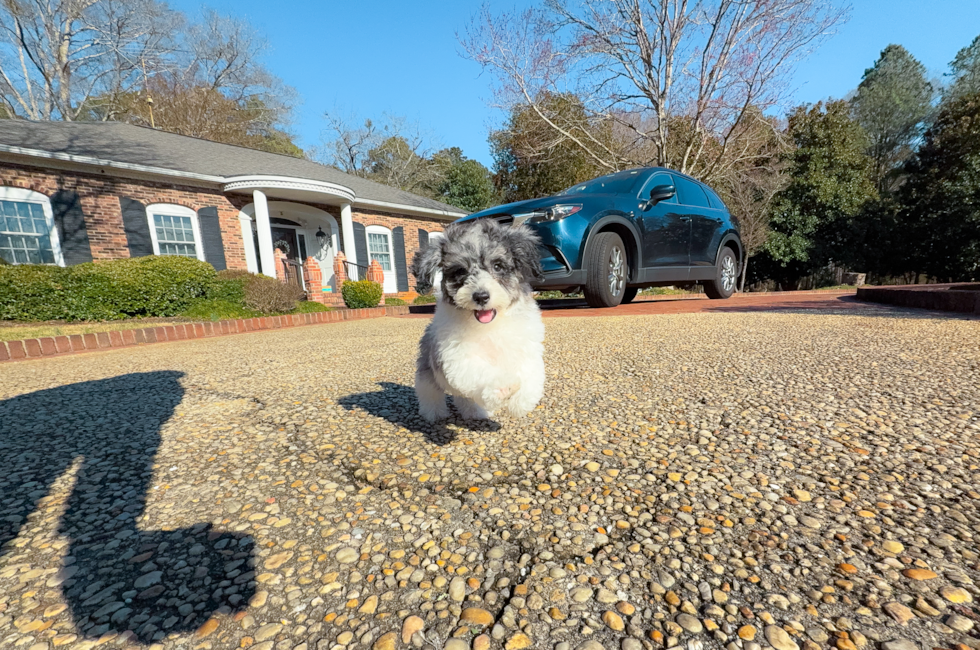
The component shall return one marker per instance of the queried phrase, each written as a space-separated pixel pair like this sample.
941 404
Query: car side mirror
661 193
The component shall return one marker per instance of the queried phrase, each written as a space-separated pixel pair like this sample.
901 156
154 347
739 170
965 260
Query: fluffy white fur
486 367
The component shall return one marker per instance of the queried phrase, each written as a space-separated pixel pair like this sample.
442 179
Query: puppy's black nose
481 297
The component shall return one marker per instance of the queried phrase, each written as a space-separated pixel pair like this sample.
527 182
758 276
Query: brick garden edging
961 297
50 346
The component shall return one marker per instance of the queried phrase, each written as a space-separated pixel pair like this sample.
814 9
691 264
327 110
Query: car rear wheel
726 276
606 270
629 295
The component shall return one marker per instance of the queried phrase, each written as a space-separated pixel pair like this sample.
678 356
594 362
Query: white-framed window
379 246
27 231
174 230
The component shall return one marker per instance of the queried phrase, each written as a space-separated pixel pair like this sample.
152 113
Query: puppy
485 344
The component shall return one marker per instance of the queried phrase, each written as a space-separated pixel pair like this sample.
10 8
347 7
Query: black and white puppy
485 345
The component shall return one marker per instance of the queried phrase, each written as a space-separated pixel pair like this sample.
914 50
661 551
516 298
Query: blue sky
371 57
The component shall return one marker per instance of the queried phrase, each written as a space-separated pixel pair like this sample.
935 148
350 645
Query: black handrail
355 276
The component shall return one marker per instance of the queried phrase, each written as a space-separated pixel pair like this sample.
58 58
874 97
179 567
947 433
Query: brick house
74 192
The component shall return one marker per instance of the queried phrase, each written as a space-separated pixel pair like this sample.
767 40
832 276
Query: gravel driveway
740 480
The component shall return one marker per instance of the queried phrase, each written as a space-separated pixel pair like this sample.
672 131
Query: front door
666 227
285 240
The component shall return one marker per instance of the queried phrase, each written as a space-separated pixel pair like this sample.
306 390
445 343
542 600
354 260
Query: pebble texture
737 480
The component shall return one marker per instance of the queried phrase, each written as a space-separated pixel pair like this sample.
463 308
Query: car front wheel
726 276
606 271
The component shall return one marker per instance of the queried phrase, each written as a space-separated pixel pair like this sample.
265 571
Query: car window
618 183
660 178
690 193
713 199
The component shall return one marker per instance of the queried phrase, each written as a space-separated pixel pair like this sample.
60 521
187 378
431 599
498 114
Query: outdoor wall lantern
321 238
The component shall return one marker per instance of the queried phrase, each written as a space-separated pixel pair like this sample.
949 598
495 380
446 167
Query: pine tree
892 104
965 71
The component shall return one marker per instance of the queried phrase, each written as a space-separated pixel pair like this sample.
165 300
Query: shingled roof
145 147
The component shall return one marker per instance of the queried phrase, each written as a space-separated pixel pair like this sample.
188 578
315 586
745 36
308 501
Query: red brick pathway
739 303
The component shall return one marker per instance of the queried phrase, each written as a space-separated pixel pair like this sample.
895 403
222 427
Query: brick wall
99 195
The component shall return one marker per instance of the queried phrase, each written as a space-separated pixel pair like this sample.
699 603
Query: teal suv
617 234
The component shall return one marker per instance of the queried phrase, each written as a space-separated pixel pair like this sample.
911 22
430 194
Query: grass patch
839 287
37 331
310 307
394 302
215 310
425 299
665 291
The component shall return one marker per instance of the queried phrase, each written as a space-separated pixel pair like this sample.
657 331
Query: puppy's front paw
470 410
506 392
433 412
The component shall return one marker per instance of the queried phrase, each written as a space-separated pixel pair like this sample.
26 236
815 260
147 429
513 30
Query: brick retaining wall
50 346
962 298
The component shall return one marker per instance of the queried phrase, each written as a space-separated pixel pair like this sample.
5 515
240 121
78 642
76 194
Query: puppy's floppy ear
523 245
426 264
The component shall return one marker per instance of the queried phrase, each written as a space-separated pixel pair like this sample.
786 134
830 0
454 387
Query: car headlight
554 213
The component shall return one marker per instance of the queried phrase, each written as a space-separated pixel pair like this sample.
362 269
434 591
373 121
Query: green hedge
137 287
361 294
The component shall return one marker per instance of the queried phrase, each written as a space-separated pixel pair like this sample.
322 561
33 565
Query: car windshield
620 182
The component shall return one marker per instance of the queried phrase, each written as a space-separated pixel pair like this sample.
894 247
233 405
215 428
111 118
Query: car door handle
685 218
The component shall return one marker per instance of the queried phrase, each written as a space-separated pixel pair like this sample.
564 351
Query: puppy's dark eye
498 267
455 272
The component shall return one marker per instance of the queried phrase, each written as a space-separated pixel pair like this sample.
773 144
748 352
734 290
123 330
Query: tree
55 55
464 183
940 201
98 59
892 104
676 77
532 160
203 112
830 183
401 161
965 71
751 187
393 152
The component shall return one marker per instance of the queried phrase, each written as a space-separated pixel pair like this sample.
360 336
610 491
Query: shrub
138 287
310 307
230 286
361 294
270 296
215 310
424 299
394 302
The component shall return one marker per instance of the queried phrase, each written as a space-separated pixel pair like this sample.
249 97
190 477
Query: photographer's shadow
116 576
398 404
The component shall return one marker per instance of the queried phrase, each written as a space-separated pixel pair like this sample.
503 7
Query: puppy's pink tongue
485 315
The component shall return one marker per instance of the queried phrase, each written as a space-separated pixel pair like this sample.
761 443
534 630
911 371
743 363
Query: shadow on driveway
115 576
397 404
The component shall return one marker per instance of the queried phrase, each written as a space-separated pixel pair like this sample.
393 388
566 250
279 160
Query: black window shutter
70 222
136 227
361 249
423 239
401 270
214 249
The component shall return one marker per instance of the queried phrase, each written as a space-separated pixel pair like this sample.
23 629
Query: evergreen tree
940 211
965 71
830 183
892 104
464 183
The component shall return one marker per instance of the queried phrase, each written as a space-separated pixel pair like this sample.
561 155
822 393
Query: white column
264 229
251 260
347 229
